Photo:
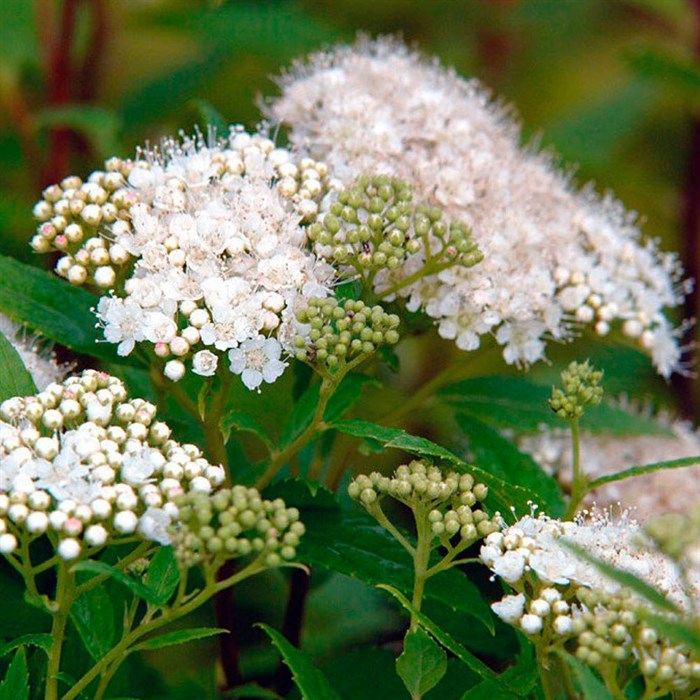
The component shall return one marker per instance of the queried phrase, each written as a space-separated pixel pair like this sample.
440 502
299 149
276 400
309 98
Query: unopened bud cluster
373 226
581 387
342 330
677 535
86 465
563 600
234 523
448 499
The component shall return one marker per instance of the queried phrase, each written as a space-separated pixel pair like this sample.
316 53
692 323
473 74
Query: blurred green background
613 86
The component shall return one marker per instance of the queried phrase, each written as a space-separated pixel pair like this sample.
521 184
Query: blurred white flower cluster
666 490
200 245
555 258
85 465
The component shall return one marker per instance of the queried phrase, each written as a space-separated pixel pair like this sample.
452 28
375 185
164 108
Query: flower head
257 360
555 259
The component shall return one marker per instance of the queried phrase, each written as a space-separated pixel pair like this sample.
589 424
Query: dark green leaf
250 690
163 575
311 682
136 587
101 126
15 686
211 116
347 395
670 71
501 494
41 641
487 691
422 663
515 403
645 469
52 306
301 416
180 637
92 614
18 40
591 686
624 578
450 644
14 378
501 457
242 421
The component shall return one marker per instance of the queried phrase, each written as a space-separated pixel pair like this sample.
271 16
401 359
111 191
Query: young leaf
242 421
92 614
136 587
15 686
311 682
14 378
500 456
57 309
645 469
180 637
422 663
502 495
163 575
451 645
591 686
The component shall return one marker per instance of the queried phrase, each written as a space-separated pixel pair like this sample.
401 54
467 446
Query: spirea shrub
275 308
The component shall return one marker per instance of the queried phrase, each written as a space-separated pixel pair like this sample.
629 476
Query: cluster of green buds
675 534
581 387
373 225
609 631
342 331
74 216
444 505
231 523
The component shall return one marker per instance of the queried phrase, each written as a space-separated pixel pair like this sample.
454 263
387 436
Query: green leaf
101 126
624 578
679 632
645 469
515 403
422 663
242 421
18 38
250 690
15 686
500 456
180 637
14 378
487 691
41 641
54 307
450 644
92 614
136 587
501 494
347 395
301 416
163 574
591 686
670 71
211 116
311 682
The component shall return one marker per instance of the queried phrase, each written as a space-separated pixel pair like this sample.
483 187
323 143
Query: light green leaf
486 691
41 641
180 637
669 71
52 306
92 614
14 378
18 39
645 469
15 686
422 664
163 574
136 587
311 682
591 686
243 422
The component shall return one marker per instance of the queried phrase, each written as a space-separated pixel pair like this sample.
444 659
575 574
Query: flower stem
421 558
579 487
65 594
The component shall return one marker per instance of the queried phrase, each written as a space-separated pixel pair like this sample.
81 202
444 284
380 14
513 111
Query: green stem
544 661
211 425
378 514
579 487
65 595
421 558
137 553
119 652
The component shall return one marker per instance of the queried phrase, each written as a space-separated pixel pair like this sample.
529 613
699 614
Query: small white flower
8 543
510 567
154 524
68 549
257 360
205 363
174 370
510 608
531 624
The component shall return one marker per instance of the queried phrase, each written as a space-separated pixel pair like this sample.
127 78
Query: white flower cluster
668 490
35 353
86 466
560 598
555 259
206 243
